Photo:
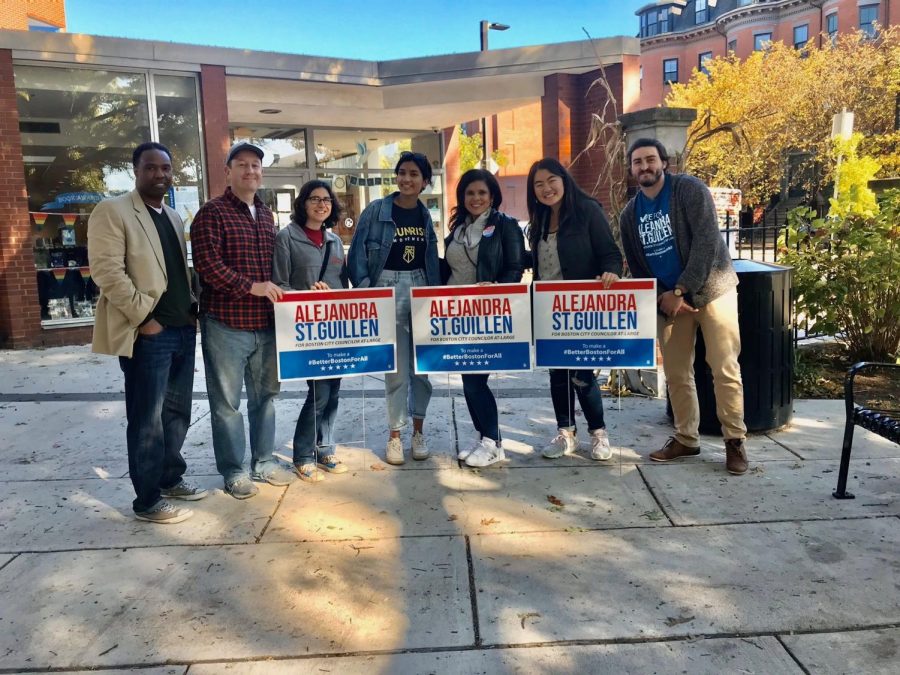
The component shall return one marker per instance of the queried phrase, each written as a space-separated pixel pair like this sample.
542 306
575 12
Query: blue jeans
482 406
159 383
405 393
315 425
564 386
234 358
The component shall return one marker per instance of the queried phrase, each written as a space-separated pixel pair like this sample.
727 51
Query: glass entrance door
278 192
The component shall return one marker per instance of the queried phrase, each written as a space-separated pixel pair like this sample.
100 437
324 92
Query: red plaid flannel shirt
231 252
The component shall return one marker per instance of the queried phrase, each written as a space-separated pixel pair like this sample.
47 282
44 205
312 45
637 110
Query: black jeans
565 385
482 406
159 382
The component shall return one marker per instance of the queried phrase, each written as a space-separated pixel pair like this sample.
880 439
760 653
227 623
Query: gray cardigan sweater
297 261
708 272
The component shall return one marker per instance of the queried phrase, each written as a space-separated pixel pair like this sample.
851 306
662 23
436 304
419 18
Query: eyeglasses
406 154
320 200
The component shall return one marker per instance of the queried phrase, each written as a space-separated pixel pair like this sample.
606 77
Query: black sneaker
165 513
185 490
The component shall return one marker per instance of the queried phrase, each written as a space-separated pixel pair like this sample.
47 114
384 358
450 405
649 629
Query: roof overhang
418 93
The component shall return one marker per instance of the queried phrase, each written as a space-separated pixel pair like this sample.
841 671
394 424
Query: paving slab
362 424
645 583
75 514
817 431
92 609
72 369
874 652
375 504
703 494
763 655
5 559
636 427
89 434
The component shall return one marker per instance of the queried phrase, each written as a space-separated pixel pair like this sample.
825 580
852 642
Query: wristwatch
677 292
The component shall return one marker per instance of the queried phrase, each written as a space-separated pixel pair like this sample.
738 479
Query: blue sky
354 29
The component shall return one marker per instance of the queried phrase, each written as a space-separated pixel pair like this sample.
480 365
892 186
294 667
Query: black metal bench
876 408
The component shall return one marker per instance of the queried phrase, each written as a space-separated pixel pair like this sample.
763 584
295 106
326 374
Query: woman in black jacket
484 247
570 239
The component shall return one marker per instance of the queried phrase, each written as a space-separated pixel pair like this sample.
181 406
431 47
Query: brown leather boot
735 456
673 450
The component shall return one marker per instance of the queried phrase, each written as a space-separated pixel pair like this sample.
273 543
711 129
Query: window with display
78 129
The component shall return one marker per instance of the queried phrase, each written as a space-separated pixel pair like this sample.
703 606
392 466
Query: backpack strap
325 259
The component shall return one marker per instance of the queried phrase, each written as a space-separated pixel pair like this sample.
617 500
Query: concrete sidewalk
570 566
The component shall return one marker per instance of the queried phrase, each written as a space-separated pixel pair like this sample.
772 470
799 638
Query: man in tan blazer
146 315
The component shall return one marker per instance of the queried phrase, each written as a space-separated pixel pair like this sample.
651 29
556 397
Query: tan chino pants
719 322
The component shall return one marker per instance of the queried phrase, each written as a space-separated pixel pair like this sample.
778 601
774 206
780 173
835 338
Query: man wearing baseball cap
233 240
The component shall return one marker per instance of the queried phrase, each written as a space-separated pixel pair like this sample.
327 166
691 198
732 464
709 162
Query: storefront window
178 122
360 167
284 147
79 128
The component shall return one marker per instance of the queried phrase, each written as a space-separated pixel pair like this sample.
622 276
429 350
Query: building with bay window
677 36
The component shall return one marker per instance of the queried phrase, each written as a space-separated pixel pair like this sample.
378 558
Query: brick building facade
677 35
33 15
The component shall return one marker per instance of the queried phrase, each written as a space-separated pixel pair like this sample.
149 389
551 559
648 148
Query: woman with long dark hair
484 247
571 239
395 246
309 256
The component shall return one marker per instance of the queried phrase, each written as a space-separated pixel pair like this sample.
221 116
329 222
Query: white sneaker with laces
600 449
462 455
563 444
489 453
419 446
394 452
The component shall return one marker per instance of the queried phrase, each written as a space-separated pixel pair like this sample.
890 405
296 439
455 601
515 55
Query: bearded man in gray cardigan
670 233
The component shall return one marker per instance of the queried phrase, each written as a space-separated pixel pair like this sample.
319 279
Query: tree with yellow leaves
755 114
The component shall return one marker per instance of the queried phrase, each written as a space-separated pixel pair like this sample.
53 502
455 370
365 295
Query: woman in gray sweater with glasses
309 256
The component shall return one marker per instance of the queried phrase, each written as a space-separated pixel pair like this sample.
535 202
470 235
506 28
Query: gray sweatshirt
708 272
297 261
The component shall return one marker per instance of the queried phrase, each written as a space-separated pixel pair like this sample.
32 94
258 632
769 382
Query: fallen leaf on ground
675 620
489 521
528 615
556 501
378 467
453 516
652 515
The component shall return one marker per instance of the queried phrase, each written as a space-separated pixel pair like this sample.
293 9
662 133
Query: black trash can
765 315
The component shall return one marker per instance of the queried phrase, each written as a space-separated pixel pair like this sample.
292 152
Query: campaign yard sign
337 333
471 329
581 325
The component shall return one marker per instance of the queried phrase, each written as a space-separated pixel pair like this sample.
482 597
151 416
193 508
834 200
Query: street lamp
485 27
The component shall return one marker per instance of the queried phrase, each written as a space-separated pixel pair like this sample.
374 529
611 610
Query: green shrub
847 271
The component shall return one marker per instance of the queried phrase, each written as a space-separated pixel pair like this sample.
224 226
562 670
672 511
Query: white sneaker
489 453
600 449
419 446
394 452
563 444
462 455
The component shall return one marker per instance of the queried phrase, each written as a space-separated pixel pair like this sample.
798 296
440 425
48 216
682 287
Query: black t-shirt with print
408 250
